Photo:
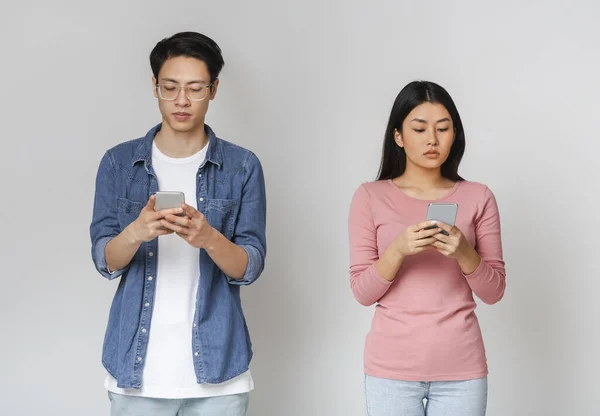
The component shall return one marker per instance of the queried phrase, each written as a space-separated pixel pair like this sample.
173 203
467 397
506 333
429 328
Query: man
177 341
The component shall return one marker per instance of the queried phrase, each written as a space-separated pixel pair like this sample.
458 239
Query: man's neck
178 144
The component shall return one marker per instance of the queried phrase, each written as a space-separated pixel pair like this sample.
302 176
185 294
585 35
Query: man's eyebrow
200 81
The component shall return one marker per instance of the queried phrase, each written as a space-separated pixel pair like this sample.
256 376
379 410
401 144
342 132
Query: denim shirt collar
143 153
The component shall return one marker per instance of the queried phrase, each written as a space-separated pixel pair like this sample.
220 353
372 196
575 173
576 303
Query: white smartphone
169 199
444 212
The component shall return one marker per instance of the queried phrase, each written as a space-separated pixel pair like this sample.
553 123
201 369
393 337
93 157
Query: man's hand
147 226
193 228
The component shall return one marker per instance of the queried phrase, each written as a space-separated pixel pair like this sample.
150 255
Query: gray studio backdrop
308 86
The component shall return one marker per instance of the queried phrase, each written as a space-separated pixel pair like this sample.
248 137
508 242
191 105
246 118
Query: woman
425 341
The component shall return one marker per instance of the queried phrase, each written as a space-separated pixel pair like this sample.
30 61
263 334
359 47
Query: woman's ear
398 138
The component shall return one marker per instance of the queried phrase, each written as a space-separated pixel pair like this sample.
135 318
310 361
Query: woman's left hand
453 245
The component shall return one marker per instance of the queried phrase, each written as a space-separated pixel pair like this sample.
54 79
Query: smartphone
169 199
444 212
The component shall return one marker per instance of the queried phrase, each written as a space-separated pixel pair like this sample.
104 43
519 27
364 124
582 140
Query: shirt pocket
220 215
128 211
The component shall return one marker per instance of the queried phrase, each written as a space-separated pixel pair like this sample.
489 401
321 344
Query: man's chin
184 127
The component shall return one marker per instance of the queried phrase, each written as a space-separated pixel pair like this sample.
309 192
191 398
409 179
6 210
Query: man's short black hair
188 44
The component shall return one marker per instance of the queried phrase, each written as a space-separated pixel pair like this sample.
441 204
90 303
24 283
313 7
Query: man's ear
154 90
213 89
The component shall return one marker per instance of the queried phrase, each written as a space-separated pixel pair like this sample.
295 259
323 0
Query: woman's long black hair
393 158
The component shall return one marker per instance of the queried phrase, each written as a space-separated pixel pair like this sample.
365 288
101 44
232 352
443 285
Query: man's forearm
230 258
120 250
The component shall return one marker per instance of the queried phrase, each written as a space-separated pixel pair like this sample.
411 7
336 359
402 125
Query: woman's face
427 135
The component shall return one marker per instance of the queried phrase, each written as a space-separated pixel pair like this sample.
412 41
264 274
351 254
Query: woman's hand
455 246
416 238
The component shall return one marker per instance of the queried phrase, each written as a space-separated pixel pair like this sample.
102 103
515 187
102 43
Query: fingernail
434 222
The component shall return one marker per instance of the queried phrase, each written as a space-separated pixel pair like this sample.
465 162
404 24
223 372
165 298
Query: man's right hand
147 226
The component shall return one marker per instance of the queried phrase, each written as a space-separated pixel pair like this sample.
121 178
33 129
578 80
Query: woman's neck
423 178
423 183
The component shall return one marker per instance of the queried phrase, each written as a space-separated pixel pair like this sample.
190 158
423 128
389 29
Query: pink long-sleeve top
424 327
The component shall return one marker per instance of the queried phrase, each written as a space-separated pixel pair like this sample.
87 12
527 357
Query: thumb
150 203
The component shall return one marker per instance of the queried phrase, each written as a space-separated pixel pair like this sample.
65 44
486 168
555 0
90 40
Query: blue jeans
386 397
232 405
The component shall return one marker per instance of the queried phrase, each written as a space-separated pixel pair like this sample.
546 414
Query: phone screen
168 199
444 212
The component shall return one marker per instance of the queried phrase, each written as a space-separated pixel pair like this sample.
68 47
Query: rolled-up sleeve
105 223
250 228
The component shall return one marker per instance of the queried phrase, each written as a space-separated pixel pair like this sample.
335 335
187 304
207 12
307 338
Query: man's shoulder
236 154
126 149
232 148
130 151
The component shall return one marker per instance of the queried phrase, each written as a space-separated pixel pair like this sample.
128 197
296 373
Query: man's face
183 114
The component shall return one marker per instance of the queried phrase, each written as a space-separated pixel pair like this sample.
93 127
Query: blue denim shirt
230 192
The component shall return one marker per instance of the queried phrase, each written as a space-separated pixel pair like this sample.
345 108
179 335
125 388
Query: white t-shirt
169 368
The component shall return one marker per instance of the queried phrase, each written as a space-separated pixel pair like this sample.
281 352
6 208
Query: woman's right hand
416 238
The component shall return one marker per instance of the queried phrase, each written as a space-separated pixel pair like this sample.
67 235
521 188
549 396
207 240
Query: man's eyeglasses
169 92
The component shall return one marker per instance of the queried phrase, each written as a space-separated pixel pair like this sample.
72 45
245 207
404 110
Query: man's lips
180 116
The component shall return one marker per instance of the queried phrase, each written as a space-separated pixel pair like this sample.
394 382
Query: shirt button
201 199
196 354
146 304
144 330
194 325
139 358
149 277
200 175
150 254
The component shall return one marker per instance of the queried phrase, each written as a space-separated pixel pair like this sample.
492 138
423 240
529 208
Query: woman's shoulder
476 191
374 188
368 193
473 186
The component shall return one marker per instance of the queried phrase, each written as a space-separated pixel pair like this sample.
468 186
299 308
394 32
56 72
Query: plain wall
308 86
